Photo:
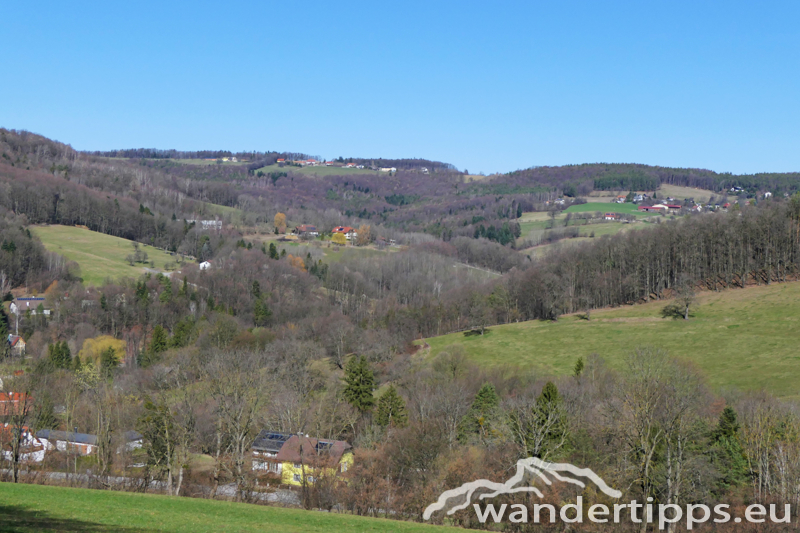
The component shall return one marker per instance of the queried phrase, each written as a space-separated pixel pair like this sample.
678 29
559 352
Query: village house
205 265
298 458
388 169
20 306
611 216
31 449
306 230
14 403
265 451
68 441
207 224
16 344
349 233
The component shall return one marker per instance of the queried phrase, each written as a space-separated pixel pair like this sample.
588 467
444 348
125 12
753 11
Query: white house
63 441
205 265
389 169
31 451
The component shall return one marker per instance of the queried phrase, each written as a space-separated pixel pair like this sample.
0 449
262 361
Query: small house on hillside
34 304
349 233
16 344
306 230
611 216
205 265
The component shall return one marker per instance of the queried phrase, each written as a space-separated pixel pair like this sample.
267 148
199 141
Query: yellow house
299 459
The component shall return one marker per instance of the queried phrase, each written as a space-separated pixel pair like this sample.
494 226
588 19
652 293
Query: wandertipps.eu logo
529 472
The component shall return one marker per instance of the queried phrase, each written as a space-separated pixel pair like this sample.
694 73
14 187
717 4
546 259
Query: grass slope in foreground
25 508
100 256
743 338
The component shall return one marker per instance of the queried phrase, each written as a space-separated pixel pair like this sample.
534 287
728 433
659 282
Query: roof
14 339
131 436
306 227
312 450
270 441
68 436
674 206
343 229
14 397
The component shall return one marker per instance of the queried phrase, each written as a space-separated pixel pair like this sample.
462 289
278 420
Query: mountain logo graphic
528 471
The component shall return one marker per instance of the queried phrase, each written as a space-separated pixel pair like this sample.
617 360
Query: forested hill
578 180
146 195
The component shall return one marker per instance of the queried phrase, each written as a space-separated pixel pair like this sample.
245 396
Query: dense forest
202 360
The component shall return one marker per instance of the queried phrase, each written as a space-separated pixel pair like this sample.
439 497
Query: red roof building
12 403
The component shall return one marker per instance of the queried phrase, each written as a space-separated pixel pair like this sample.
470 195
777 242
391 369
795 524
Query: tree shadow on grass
18 518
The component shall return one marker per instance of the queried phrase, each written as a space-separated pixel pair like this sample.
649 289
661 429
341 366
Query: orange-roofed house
349 233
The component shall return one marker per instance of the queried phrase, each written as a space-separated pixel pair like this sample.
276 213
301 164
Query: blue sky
487 86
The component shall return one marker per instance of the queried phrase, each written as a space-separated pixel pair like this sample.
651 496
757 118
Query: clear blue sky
487 86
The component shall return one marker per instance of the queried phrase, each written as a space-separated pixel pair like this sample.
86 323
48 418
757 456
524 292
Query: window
344 467
297 478
298 465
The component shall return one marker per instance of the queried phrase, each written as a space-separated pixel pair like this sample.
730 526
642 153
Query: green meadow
28 508
99 256
741 338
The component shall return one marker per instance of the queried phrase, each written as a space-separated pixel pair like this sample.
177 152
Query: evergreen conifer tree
391 409
359 383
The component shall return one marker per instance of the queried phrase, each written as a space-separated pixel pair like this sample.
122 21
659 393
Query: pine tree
59 355
273 251
479 418
166 294
578 368
391 409
550 414
727 450
108 362
158 344
256 289
103 302
359 383
261 313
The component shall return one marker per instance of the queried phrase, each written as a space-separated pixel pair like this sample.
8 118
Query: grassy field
681 193
100 256
625 209
28 508
318 171
742 338
236 216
